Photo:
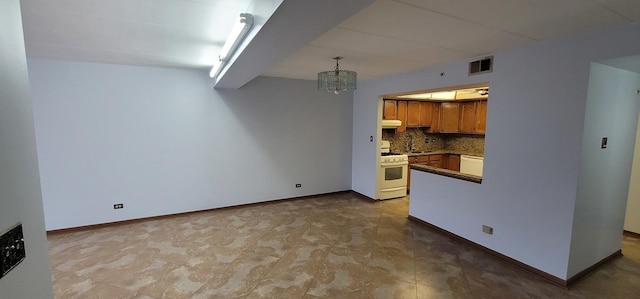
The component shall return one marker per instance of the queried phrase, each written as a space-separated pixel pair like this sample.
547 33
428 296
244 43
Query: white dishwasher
471 165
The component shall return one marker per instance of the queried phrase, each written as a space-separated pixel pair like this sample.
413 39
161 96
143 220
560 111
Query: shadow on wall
290 133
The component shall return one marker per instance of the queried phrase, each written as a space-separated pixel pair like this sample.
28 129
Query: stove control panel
394 159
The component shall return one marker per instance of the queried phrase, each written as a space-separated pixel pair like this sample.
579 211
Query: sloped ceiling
171 33
376 38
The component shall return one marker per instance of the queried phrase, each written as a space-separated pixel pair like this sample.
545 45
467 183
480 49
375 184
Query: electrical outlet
298 185
11 249
118 206
487 229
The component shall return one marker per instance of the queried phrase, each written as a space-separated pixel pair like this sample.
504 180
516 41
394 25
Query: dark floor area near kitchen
331 246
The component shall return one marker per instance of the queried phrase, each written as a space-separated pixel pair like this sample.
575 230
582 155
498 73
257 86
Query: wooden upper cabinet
426 113
402 116
441 117
390 109
449 117
419 113
413 114
435 118
468 117
481 117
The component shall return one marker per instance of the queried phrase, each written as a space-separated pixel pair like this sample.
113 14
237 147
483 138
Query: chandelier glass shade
338 80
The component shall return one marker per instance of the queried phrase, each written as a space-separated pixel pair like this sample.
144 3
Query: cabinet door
426 114
402 116
413 114
422 159
468 117
450 117
454 162
444 162
390 110
435 161
435 118
418 159
481 117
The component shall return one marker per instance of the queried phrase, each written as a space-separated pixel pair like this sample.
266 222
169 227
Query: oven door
394 175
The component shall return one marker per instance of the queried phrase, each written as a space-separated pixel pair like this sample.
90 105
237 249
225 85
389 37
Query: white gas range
392 178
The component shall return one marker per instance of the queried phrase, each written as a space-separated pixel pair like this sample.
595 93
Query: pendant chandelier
338 80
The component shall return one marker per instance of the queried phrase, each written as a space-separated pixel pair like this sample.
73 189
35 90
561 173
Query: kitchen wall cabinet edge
395 110
466 117
449 117
390 109
402 116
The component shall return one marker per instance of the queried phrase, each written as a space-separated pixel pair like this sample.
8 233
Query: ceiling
383 38
169 33
631 63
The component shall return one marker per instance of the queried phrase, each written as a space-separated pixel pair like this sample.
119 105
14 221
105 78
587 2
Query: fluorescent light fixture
445 95
460 94
237 34
441 95
216 68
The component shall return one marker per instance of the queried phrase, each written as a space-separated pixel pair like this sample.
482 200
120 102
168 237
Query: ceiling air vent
484 65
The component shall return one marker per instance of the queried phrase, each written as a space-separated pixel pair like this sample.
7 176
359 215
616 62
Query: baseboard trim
584 273
137 220
356 193
631 234
546 276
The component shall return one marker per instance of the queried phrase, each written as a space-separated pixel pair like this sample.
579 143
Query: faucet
410 145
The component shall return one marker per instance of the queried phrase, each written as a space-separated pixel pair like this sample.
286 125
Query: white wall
632 217
20 198
603 185
535 120
162 141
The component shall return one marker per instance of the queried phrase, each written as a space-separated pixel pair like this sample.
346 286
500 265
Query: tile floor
335 246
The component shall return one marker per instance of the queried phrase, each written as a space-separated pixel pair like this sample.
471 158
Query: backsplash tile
465 143
433 141
421 141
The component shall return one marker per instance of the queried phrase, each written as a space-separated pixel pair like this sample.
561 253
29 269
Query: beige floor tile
441 275
328 246
390 289
428 292
239 279
383 267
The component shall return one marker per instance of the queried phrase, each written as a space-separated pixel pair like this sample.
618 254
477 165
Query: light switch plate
11 249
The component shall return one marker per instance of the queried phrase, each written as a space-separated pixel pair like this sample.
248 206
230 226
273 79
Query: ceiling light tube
216 68
237 34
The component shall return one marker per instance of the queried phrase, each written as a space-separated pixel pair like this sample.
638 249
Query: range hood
390 123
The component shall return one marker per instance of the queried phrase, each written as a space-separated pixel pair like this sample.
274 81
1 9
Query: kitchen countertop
447 172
